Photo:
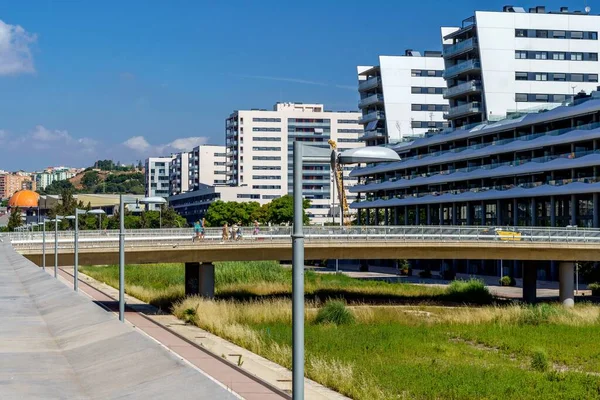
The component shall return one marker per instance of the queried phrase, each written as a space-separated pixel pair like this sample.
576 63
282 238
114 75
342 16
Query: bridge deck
55 343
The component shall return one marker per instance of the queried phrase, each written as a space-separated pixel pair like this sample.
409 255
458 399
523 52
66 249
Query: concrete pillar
367 216
405 215
533 212
529 282
469 214
417 216
386 216
441 219
377 216
428 214
498 212
515 212
574 209
483 213
552 211
396 216
565 283
358 219
596 204
454 219
200 279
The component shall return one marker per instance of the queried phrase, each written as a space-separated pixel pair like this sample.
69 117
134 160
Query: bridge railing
183 237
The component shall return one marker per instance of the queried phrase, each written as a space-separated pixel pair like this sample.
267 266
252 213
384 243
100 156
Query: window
576 56
521 97
520 33
266 158
266 119
541 97
266 186
520 54
541 77
559 34
266 139
266 148
267 177
558 56
431 90
266 129
270 196
415 90
350 131
415 107
521 76
266 168
431 107
559 98
560 77
593 56
432 72
592 78
541 55
415 72
593 35
541 34
577 77
248 196
347 121
576 35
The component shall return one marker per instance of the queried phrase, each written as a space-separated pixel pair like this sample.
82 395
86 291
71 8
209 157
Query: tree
57 187
281 210
90 179
232 212
14 220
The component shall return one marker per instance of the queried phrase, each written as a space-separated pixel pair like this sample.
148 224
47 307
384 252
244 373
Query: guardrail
183 237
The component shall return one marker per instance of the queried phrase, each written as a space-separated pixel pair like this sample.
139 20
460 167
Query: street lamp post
56 220
99 213
315 155
43 223
122 202
76 245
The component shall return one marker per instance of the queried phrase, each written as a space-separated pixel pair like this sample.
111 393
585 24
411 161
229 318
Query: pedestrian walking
255 231
234 231
197 229
202 228
225 235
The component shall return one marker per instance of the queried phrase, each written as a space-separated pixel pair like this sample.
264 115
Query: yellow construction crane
338 174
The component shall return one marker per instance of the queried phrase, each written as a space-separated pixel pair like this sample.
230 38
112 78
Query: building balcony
473 86
464 110
370 100
369 84
374 134
461 68
372 116
460 47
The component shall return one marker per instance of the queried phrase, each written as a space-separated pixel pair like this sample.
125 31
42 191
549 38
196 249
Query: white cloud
46 135
144 148
15 53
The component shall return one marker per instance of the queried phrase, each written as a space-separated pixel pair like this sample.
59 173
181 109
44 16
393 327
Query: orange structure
24 199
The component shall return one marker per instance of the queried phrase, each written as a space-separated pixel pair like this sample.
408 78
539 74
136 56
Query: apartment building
45 178
540 169
260 144
501 62
13 182
205 164
157 173
401 98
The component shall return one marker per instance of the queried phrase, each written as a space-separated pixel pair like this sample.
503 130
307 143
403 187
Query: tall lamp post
75 217
56 220
122 202
315 155
43 223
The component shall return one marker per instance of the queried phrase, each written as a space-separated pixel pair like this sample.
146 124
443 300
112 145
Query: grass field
386 351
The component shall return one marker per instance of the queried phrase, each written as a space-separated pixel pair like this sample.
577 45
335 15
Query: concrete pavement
57 344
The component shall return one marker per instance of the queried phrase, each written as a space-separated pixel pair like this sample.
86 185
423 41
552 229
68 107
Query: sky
87 80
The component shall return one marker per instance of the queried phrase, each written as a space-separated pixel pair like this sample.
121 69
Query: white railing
335 234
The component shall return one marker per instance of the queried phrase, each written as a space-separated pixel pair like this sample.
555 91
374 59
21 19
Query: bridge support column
574 207
565 283
529 282
200 279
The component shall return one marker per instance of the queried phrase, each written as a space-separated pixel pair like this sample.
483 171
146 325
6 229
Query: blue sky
82 80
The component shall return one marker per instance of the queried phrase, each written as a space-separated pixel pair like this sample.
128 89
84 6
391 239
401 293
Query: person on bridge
225 235
202 228
234 231
255 232
197 230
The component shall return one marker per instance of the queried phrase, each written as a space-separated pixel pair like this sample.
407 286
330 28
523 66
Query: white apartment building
157 171
502 62
205 164
402 97
54 174
260 144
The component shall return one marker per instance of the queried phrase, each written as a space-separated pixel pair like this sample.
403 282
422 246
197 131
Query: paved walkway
57 344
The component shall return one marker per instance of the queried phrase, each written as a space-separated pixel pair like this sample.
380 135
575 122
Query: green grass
415 351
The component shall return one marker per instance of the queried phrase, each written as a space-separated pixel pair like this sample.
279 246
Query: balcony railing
372 134
369 84
463 88
373 99
372 116
465 109
465 66
460 47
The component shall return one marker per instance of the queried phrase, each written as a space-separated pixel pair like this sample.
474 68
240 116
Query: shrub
426 273
539 360
595 288
334 312
539 314
471 291
507 281
189 315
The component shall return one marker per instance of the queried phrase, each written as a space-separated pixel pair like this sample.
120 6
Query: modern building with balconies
401 98
499 62
536 169
259 150
157 174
